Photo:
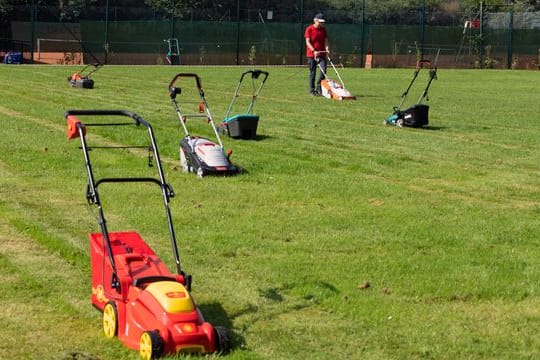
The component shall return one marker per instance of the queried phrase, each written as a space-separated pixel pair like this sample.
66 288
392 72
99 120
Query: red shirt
317 37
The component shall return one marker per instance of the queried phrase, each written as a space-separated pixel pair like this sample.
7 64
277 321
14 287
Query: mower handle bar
333 67
255 74
432 65
92 194
419 63
164 186
138 120
173 91
192 75
432 76
95 65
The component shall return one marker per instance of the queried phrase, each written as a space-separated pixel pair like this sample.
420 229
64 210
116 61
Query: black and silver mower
244 126
416 115
199 154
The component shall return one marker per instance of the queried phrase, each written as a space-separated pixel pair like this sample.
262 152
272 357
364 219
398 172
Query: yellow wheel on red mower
110 320
150 345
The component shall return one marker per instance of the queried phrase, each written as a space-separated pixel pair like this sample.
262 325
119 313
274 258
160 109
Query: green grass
443 223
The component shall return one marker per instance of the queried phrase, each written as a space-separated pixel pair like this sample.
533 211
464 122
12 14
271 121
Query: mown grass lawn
345 238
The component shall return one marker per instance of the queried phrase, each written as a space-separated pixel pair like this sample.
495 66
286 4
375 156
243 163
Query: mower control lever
115 283
170 191
173 91
90 196
188 280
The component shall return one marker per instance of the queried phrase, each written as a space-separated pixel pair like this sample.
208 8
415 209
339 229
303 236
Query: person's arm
327 45
309 45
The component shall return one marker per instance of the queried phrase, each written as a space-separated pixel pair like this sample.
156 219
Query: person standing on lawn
317 49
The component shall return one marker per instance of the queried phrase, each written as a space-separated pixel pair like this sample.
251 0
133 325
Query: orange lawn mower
332 89
81 79
146 306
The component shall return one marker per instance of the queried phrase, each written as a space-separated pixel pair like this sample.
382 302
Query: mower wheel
223 339
183 161
223 130
150 345
200 172
110 320
399 122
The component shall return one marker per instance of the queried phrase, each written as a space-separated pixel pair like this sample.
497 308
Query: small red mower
81 79
146 306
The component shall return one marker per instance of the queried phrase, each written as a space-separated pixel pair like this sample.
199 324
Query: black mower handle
172 89
165 187
255 74
421 63
138 120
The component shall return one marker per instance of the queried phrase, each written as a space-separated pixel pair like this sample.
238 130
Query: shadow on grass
434 128
261 137
74 355
217 316
257 138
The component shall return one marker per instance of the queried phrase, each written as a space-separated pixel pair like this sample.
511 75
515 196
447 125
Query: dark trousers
312 64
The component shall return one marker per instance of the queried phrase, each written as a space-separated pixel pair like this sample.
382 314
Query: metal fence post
33 31
301 31
171 36
423 20
363 19
106 45
238 32
481 40
510 51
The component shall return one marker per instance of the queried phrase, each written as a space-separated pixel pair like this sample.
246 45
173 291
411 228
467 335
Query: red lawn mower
81 79
149 308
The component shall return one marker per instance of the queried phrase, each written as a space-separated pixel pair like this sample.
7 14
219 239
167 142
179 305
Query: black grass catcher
416 115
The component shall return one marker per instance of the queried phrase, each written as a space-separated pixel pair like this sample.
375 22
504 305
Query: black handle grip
192 75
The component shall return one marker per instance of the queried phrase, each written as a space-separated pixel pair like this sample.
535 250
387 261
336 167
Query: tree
5 7
183 8
520 4
72 9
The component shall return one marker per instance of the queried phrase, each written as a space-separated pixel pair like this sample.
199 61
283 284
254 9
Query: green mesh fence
230 43
507 39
